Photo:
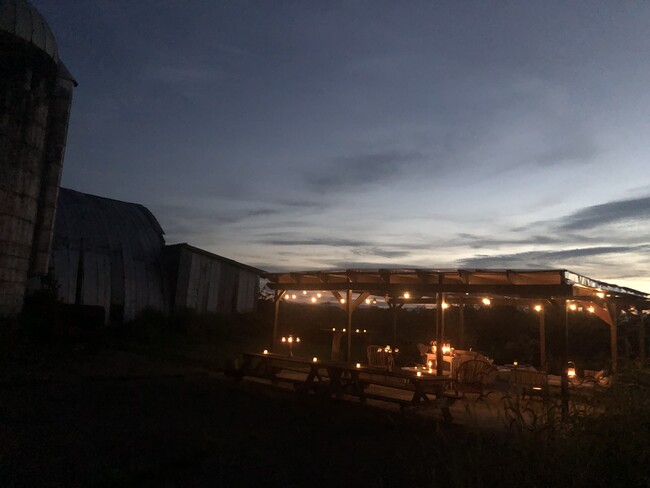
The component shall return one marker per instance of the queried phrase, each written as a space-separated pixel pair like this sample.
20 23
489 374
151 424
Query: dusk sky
297 135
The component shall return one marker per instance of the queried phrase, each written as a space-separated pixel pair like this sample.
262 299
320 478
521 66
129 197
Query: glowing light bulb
407 295
486 301
313 299
538 308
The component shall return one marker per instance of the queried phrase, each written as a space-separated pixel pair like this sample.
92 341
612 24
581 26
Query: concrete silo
35 99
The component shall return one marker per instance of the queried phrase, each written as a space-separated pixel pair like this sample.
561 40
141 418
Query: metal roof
421 283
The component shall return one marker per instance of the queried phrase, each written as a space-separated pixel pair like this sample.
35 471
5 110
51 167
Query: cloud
179 74
476 241
315 241
607 213
574 149
545 259
382 253
360 170
181 220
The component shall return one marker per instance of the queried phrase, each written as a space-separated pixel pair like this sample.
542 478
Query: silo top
19 18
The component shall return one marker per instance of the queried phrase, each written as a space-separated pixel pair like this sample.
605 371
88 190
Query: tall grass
603 442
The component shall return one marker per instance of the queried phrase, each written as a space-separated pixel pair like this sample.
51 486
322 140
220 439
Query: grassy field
148 407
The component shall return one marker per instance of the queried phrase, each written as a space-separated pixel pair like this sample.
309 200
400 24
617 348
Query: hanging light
591 309
407 295
445 305
304 292
486 301
538 308
367 301
573 307
319 295
342 300
313 299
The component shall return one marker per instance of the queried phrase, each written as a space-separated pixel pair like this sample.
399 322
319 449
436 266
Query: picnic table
338 379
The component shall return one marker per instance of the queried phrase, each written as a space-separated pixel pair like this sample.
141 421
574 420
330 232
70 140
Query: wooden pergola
533 288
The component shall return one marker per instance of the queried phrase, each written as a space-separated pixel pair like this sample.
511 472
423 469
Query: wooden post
276 317
348 302
542 340
394 307
564 379
614 335
461 325
641 339
440 332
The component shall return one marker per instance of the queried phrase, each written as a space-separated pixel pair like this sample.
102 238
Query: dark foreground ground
135 421
73 417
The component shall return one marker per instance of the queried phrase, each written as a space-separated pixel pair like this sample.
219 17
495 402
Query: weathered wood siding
107 253
208 283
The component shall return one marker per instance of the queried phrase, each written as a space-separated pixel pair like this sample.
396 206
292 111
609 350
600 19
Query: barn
208 283
111 254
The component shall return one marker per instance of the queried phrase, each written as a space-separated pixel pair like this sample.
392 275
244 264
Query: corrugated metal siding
120 245
208 283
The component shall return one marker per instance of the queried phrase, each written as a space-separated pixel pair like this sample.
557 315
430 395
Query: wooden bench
346 379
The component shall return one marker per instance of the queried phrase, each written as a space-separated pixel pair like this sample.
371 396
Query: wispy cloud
636 209
180 74
546 259
476 241
315 241
360 170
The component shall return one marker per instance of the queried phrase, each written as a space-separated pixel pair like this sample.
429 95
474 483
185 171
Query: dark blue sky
339 134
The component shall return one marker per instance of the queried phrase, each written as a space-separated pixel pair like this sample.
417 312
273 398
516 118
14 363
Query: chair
378 358
473 376
596 378
423 349
529 382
